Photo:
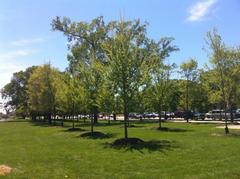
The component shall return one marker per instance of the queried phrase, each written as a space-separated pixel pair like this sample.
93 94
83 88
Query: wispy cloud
10 63
199 10
26 42
12 55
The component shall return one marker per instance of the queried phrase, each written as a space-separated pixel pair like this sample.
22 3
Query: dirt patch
230 127
217 134
226 135
4 170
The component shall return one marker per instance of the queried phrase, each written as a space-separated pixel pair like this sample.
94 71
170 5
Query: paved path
230 127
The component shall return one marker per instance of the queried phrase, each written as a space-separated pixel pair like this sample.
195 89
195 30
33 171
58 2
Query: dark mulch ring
132 126
96 135
75 129
139 145
129 141
171 129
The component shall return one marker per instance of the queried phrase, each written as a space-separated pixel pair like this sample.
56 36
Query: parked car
237 113
150 115
170 115
184 114
198 116
218 114
135 116
178 114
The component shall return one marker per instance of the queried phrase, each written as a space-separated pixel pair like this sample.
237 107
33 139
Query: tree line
115 68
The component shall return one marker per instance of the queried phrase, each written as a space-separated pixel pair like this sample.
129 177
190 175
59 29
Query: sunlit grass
185 151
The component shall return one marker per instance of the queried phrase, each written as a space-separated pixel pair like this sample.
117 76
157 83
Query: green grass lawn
191 151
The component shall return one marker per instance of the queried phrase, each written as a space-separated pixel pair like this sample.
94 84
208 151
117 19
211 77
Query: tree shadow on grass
166 129
96 135
132 126
45 124
76 129
100 124
139 145
16 120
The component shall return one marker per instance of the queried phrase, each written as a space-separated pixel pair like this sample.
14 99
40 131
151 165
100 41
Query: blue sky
26 38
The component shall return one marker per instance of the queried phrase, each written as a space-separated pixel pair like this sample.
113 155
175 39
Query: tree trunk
63 117
165 115
187 91
33 117
225 116
114 117
109 119
49 118
231 115
125 124
95 117
92 123
73 123
54 120
159 119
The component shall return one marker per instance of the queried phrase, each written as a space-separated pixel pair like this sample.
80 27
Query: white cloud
25 42
199 10
10 64
12 55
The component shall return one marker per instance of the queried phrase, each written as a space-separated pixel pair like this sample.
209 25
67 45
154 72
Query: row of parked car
216 114
152 115
220 114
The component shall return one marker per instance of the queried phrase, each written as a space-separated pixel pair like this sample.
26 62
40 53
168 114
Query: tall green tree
15 92
127 56
190 73
41 90
87 58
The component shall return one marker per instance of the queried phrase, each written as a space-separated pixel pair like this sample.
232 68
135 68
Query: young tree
226 64
107 100
41 90
127 54
159 73
69 97
189 72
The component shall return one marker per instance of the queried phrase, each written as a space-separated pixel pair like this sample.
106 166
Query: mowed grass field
184 151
